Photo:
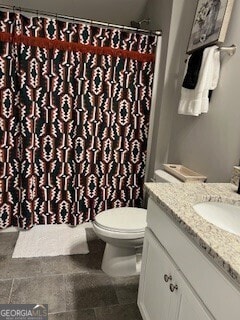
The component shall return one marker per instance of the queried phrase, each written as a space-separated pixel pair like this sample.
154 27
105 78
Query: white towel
195 101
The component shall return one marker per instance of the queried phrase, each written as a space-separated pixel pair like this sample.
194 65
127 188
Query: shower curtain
74 117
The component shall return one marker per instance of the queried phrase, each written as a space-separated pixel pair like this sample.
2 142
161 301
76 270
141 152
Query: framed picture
210 23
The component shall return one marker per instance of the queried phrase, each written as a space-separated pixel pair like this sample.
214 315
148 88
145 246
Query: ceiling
112 11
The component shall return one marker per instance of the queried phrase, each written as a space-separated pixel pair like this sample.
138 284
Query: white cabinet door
155 300
190 306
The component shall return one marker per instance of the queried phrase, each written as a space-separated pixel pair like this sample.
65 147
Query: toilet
123 231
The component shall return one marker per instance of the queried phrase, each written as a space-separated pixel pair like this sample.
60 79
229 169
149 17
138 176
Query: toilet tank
163 176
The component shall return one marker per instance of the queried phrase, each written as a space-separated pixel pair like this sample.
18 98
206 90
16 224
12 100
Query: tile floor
74 287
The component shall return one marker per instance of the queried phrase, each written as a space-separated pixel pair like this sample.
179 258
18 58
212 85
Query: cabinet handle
173 287
167 278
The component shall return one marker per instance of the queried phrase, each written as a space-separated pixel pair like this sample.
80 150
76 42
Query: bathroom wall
160 14
112 11
209 143
167 16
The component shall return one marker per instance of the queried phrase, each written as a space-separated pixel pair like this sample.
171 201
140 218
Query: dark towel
210 94
194 65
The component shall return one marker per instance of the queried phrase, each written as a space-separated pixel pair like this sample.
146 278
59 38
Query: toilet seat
122 220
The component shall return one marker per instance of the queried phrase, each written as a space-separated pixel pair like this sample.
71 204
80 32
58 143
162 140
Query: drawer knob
173 287
167 278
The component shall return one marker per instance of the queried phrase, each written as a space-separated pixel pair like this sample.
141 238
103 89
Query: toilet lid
126 219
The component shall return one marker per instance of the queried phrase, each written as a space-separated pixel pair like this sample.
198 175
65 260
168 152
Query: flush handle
167 278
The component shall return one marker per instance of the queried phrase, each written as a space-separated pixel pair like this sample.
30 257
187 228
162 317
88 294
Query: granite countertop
177 201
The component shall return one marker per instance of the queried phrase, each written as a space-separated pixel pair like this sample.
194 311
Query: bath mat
51 240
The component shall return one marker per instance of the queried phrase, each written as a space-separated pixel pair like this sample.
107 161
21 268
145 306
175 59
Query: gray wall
209 143
168 16
160 12
111 11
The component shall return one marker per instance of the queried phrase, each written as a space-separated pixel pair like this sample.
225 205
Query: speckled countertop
177 200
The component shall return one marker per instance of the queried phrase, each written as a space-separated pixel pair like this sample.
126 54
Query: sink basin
223 215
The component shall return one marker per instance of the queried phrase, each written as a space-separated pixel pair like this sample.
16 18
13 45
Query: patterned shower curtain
74 117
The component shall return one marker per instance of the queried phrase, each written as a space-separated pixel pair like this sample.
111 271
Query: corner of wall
176 54
159 11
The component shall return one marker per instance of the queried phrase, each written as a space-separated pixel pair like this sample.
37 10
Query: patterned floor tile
74 286
64 264
118 312
5 289
40 290
7 243
84 314
126 289
89 291
19 268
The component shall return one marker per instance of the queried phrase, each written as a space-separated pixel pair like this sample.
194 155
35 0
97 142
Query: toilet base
119 261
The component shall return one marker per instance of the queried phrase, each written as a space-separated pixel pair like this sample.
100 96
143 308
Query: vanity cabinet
163 293
177 281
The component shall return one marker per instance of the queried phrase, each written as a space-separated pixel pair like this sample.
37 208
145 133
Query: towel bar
230 50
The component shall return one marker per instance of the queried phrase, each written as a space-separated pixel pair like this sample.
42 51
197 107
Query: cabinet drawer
219 295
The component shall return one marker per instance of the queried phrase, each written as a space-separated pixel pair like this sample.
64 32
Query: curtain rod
76 19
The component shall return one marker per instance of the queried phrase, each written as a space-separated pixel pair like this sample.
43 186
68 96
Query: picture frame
210 23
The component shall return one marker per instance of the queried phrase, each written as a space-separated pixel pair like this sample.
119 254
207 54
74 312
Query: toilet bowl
123 231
